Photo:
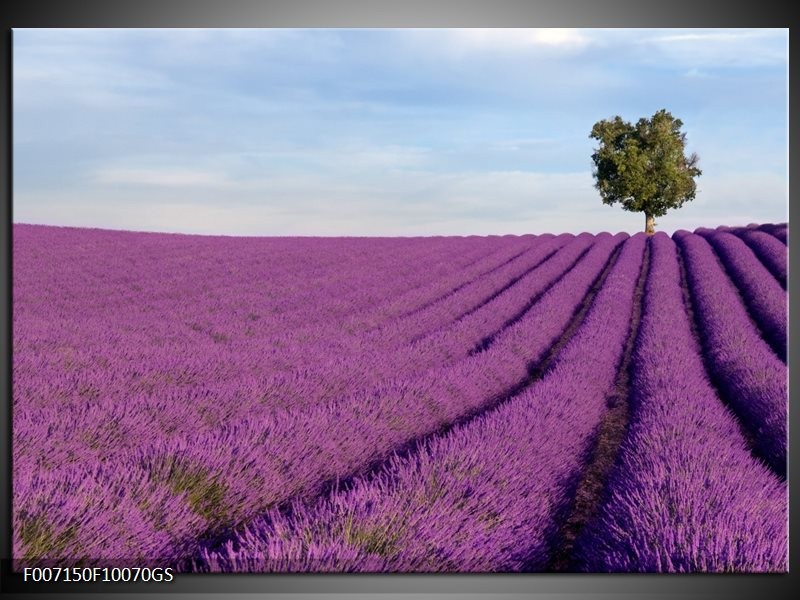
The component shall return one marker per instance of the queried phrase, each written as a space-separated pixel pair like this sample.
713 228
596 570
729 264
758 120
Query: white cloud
469 40
520 143
235 47
89 70
753 192
699 49
216 171
385 203
695 73
170 178
718 36
516 38
369 156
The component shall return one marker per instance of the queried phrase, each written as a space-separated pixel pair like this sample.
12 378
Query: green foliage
643 166
204 493
41 540
380 539
206 496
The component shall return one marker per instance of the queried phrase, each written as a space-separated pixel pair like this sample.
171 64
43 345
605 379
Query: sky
384 132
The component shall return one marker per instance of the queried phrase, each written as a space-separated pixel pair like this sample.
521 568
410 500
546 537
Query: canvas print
400 300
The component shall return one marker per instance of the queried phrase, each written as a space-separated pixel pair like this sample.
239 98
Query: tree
643 166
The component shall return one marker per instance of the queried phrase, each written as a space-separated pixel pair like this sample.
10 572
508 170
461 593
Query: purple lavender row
282 335
340 438
779 230
63 285
111 267
447 265
384 358
745 369
375 281
770 250
451 272
299 390
411 300
484 497
685 495
107 514
147 300
184 403
470 297
243 460
762 294
109 264
490 320
371 356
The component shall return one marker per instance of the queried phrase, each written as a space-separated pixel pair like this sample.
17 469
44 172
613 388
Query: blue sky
384 131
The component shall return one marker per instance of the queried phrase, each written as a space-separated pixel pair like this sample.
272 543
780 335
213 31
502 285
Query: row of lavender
116 440
742 364
203 404
273 365
147 341
486 496
99 314
175 487
761 291
439 335
686 493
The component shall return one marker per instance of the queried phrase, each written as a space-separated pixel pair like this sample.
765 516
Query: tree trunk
649 224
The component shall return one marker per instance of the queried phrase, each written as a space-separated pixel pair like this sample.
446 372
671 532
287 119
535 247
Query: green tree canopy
643 166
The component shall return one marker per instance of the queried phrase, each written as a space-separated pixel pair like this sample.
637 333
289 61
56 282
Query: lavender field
600 403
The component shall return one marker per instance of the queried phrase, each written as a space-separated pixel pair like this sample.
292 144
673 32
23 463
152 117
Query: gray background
352 13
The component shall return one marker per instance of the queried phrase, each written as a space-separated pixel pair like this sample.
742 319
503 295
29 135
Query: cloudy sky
383 131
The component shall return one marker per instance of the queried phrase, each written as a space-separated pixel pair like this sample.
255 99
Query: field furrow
778 230
485 496
256 460
468 298
436 289
761 293
770 250
588 492
686 494
751 378
389 355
